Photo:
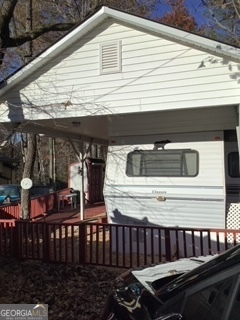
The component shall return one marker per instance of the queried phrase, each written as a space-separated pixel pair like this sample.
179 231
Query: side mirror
171 316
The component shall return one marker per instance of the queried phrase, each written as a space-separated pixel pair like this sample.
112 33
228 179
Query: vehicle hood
149 275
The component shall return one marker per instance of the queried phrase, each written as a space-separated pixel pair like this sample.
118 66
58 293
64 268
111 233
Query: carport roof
88 127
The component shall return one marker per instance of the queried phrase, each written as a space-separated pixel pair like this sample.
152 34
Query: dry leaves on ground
71 291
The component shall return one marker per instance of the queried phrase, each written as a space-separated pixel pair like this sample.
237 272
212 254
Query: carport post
82 197
81 159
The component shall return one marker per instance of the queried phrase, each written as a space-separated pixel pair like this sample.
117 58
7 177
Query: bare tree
30 154
223 17
51 20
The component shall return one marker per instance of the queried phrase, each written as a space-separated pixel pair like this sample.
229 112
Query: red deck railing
110 245
38 206
10 211
45 204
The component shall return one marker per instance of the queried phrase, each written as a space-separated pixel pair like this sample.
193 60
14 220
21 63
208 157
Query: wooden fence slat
130 247
83 242
107 244
168 245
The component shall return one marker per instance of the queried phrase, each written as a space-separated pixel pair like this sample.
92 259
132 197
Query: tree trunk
41 169
27 173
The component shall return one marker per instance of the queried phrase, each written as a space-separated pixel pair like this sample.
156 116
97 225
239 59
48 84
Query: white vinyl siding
156 74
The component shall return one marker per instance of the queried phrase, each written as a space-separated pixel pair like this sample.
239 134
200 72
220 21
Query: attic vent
110 57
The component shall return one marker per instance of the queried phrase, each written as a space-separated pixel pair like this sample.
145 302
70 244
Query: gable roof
171 33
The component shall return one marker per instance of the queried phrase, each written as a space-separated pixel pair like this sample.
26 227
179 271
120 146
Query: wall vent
110 57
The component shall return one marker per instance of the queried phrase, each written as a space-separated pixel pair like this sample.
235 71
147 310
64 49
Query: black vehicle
205 288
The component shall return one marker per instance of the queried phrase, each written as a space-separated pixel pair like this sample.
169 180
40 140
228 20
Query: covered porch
46 208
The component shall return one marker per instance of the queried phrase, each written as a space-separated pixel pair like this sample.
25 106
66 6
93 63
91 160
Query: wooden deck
92 211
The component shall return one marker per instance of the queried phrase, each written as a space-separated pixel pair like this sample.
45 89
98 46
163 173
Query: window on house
110 57
233 165
162 163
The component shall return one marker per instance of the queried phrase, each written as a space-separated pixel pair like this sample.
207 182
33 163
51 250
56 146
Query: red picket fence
110 245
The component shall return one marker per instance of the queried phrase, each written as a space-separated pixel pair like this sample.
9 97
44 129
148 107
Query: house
138 86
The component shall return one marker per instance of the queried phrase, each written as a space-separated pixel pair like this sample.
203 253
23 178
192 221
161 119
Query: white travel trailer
174 180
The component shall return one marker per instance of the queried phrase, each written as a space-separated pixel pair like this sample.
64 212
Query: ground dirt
71 291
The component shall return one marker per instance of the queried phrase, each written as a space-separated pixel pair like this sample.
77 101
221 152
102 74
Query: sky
202 16
195 8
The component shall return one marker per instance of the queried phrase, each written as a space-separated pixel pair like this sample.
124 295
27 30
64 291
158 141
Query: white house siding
157 74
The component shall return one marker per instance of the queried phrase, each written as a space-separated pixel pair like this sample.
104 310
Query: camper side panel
196 201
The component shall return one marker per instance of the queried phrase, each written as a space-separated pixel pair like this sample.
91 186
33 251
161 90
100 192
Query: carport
102 82
78 131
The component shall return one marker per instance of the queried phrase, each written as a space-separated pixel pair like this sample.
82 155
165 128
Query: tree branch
218 23
236 9
37 32
6 12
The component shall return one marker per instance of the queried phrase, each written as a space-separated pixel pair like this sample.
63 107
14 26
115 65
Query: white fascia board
171 33
196 41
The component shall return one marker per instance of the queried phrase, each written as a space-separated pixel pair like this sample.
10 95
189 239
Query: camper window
233 165
162 163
